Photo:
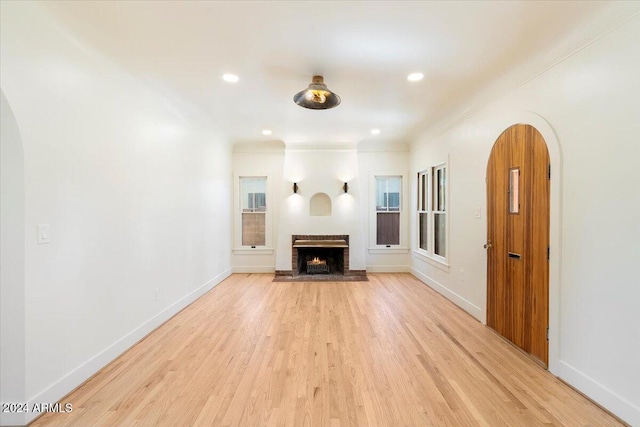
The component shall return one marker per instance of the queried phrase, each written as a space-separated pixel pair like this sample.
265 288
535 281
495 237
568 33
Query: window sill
431 260
253 251
391 250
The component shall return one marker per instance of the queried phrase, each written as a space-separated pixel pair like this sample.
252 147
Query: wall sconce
345 187
295 187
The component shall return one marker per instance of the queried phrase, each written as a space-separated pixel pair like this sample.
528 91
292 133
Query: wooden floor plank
388 352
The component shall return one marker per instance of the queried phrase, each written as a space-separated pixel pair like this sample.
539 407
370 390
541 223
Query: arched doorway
518 194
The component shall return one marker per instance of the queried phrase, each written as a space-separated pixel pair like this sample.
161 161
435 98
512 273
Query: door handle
488 245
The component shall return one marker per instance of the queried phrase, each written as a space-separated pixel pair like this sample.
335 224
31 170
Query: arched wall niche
320 205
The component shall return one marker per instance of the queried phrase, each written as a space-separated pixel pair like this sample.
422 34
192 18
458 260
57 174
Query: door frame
555 221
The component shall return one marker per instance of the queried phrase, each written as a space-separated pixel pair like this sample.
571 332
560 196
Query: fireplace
313 255
320 257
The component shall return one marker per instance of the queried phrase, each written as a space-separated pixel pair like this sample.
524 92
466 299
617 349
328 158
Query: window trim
435 202
402 246
423 207
239 248
429 254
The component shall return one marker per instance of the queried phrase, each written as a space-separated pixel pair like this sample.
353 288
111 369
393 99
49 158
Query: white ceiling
365 50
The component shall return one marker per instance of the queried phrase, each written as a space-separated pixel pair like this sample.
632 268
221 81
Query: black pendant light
317 96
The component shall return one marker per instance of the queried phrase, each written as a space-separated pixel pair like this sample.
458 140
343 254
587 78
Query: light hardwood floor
388 352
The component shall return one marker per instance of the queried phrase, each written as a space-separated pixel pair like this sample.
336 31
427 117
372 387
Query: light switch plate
43 234
476 213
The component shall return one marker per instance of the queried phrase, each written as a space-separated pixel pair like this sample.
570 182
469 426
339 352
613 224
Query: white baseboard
618 405
388 269
73 379
254 269
466 305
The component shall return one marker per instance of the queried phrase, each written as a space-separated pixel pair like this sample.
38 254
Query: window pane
253 206
394 201
394 186
388 229
253 229
440 234
381 194
259 201
424 227
388 193
439 192
422 192
514 190
442 183
253 194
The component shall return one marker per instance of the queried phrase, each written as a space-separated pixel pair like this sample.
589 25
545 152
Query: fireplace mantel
340 243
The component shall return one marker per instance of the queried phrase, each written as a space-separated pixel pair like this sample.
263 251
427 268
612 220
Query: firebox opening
320 261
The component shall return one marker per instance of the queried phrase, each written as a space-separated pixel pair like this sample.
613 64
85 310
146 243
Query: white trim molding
254 269
391 250
402 246
618 405
461 302
424 256
388 269
257 251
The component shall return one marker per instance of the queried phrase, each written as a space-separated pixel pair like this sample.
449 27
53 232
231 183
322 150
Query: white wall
12 286
265 159
133 184
381 159
588 104
321 170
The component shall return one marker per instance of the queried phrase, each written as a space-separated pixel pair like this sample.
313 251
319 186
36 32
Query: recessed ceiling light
267 132
230 78
375 131
415 77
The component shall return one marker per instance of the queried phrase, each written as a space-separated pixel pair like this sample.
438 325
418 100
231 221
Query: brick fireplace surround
293 275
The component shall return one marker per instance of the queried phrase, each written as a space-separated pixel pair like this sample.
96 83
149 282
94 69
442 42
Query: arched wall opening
12 264
555 222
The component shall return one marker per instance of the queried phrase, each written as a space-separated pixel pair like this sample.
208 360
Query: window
423 211
253 208
439 211
432 212
514 190
388 196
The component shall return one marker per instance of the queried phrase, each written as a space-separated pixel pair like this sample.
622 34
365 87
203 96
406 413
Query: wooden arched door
518 239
